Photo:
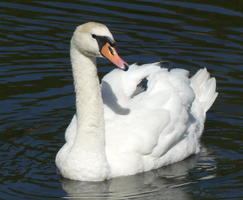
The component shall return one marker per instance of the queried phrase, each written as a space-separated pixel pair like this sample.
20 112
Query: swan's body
125 132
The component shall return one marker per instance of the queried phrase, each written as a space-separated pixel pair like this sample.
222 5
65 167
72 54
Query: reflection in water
164 183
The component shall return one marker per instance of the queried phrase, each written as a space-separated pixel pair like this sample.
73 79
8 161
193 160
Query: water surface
37 97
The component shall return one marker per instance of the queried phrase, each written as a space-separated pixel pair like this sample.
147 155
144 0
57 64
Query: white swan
131 129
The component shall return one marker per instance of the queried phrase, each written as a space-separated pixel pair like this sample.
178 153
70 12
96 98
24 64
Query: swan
138 119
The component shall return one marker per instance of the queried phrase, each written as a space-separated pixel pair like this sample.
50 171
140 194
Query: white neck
89 105
84 157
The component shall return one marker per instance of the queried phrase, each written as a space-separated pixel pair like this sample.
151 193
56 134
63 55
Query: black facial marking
102 40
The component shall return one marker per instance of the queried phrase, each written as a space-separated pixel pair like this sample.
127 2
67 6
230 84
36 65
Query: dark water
37 99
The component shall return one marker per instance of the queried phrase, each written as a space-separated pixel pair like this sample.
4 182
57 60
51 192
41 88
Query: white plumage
159 126
142 130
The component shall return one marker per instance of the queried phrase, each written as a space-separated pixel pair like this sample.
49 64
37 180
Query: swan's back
158 125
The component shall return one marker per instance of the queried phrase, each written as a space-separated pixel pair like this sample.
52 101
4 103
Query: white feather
156 127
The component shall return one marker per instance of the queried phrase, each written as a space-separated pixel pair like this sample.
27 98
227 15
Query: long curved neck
89 105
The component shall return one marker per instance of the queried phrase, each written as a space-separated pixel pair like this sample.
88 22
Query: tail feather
204 88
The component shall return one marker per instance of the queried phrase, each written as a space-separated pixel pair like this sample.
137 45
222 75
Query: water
37 99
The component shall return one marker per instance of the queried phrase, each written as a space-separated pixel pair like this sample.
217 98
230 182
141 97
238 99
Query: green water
37 97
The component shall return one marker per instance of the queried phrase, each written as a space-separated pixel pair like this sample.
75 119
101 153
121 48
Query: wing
147 125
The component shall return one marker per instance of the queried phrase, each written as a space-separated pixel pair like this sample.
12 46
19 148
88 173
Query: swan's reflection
164 183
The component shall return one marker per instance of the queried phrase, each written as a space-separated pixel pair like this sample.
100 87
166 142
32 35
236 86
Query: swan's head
95 40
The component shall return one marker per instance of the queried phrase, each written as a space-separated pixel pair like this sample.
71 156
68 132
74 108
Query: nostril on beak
111 51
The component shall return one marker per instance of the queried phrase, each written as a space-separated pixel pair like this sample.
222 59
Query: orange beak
111 54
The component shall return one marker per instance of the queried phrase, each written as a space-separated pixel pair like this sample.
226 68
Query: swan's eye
94 36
